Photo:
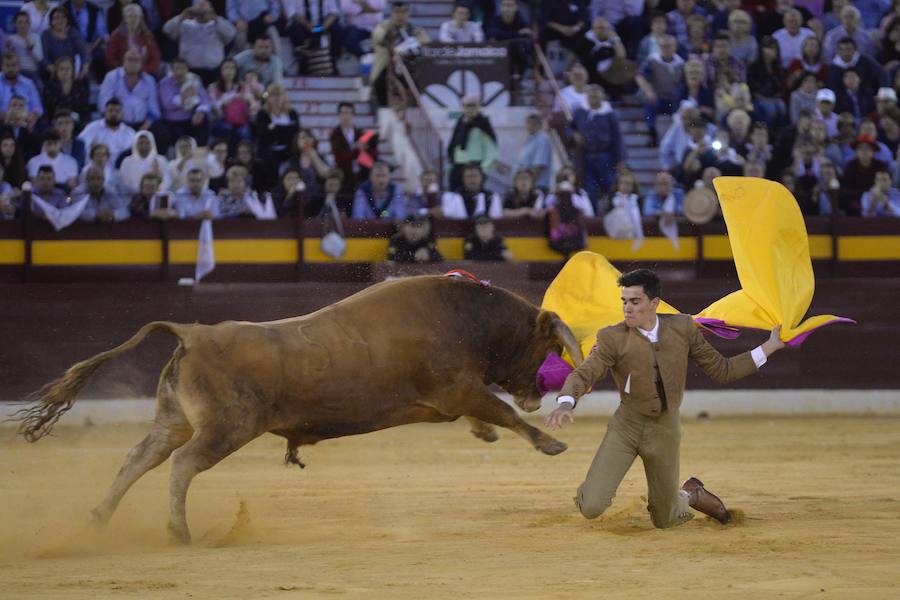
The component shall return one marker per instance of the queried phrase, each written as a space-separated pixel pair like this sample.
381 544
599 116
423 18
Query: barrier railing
424 136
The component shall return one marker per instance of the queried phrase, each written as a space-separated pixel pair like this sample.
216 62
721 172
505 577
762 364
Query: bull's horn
567 339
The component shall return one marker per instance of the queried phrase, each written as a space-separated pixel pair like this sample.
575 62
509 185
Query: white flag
669 228
261 211
667 223
60 218
206 257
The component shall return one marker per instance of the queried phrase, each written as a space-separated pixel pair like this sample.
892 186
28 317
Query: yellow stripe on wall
12 252
717 247
869 247
96 252
358 250
246 251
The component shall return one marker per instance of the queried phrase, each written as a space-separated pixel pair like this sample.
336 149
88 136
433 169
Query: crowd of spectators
192 119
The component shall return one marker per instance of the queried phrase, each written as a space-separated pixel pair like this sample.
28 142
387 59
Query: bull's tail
54 399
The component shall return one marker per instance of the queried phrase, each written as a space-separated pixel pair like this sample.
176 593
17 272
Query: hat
886 93
825 95
700 205
864 139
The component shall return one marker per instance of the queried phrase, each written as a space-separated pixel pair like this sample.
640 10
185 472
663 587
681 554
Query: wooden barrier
287 250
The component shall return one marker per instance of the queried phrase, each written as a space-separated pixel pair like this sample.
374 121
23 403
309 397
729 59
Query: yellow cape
771 253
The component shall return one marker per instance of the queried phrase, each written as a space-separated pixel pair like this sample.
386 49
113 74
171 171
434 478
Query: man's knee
592 507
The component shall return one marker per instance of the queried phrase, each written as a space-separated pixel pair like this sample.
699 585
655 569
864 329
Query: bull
423 349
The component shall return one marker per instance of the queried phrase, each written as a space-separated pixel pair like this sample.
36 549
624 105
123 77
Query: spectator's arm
152 57
479 34
225 29
646 87
398 204
114 50
619 152
359 206
33 98
37 49
172 28
277 69
205 104
444 33
106 90
232 12
153 109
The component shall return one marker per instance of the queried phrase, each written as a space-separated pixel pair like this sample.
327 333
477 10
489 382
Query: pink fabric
552 373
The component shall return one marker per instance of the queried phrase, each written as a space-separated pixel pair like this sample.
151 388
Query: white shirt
791 45
117 140
469 33
64 167
757 354
573 99
454 207
40 22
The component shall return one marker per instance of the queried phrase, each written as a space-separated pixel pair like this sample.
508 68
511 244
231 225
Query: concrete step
430 9
641 140
329 108
339 95
322 83
330 121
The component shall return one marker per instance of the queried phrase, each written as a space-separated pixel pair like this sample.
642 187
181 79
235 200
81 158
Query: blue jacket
601 132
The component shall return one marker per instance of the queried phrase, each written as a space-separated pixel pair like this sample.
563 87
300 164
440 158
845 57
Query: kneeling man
647 355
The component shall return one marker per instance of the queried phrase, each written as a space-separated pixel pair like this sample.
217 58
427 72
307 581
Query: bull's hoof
179 536
553 448
486 434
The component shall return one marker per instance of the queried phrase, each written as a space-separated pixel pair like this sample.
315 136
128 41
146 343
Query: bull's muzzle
527 403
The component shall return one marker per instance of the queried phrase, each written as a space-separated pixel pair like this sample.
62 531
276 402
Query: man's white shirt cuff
759 356
566 400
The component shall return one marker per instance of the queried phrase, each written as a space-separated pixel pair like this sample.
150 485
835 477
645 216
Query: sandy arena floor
428 511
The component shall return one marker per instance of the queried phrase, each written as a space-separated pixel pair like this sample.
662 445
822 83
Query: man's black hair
644 278
347 104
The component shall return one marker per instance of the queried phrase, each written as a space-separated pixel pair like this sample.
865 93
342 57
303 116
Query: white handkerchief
628 384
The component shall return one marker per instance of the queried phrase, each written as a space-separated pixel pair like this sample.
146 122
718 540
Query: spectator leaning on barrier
414 241
233 198
44 183
104 204
471 198
665 197
580 198
195 200
484 243
379 197
523 199
99 157
140 203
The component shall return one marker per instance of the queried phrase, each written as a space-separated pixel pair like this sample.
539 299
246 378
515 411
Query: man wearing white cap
885 101
825 100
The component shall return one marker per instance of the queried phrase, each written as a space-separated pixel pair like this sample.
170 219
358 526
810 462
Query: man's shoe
706 502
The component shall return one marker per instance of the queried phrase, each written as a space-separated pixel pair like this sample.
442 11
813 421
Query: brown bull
423 349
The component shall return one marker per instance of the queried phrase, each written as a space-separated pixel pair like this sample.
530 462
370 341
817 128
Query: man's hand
557 418
774 342
197 118
241 25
